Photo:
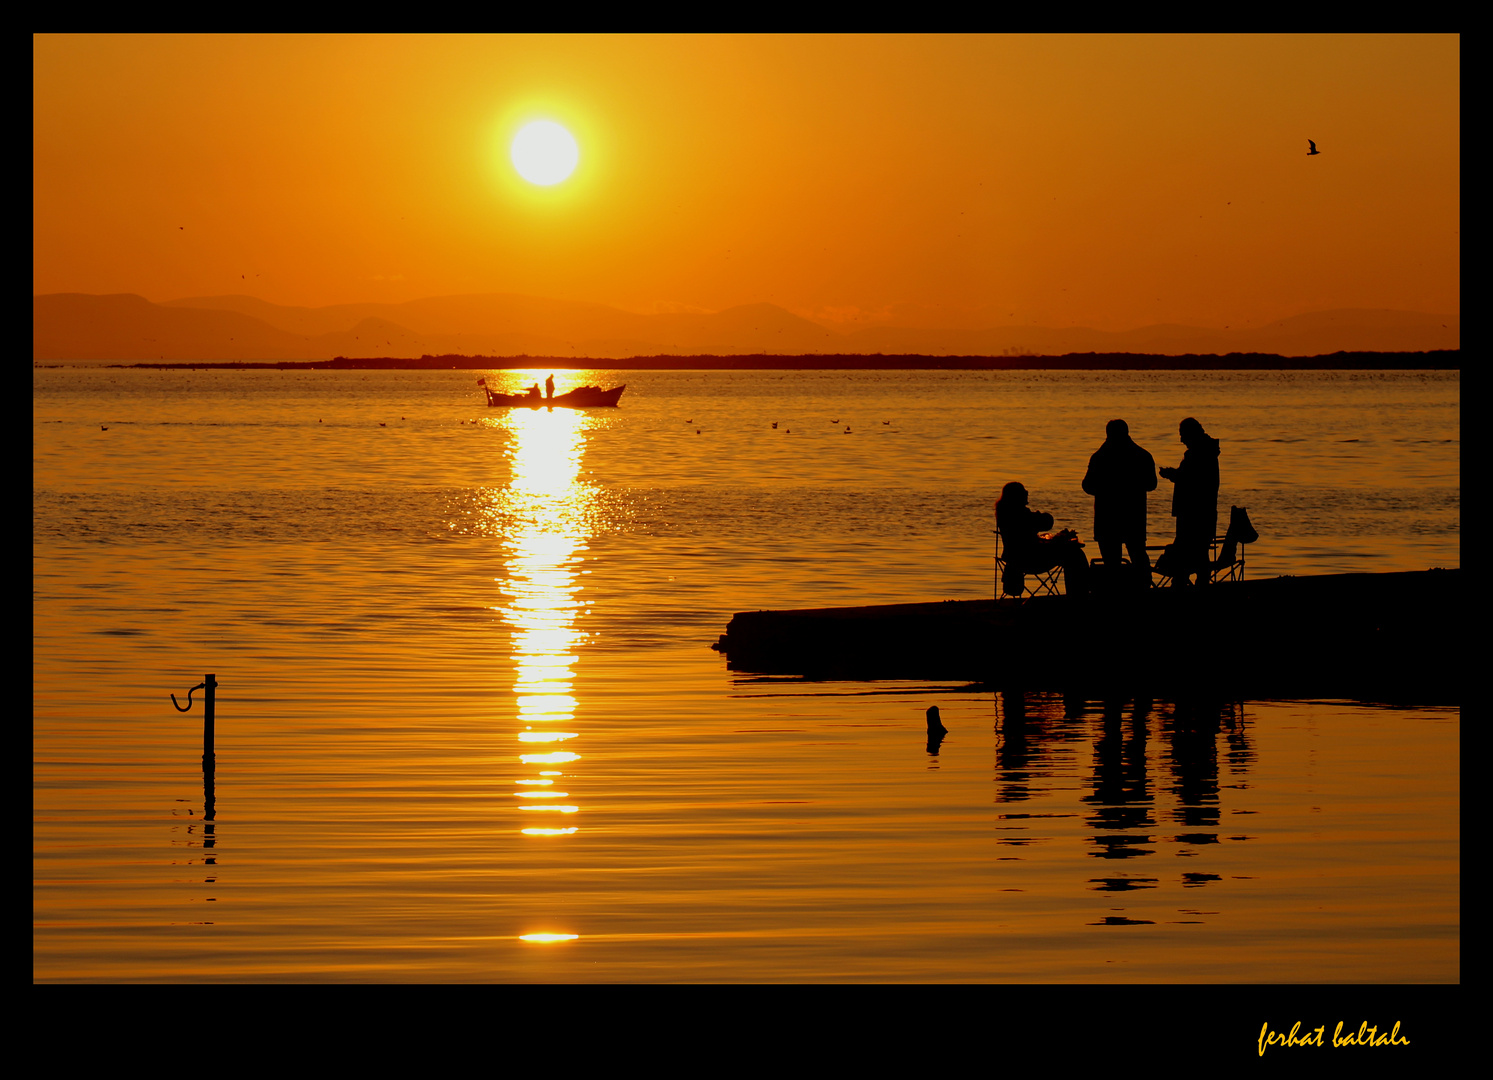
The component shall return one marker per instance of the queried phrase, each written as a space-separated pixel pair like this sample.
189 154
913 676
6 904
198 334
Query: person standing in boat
1194 503
1119 477
1027 552
549 388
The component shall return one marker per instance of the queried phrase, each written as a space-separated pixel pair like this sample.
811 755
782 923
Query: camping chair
1232 570
1046 580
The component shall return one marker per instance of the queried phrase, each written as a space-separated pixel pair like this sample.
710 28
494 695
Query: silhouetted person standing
549 388
1027 552
1120 474
1194 503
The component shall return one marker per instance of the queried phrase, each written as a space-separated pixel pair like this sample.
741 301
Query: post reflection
545 510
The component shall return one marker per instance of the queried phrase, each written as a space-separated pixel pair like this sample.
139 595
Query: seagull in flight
1313 149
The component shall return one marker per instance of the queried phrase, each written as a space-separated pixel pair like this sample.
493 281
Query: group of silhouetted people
1119 477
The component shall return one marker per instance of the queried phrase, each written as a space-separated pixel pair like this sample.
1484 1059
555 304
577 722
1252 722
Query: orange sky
1102 181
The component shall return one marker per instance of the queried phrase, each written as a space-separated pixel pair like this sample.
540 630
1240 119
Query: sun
544 153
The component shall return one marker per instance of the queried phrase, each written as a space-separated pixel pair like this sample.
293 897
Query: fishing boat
582 397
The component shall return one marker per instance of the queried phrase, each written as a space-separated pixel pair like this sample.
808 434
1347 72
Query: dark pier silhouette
1375 636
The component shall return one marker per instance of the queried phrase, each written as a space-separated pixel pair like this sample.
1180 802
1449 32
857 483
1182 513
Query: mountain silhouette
125 327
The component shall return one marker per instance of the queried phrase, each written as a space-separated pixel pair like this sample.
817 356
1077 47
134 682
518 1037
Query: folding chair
1218 570
1232 571
1046 580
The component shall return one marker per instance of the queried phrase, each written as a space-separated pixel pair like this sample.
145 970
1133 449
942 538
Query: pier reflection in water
546 505
1038 743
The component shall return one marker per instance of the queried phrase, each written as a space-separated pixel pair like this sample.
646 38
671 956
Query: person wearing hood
1194 502
1027 551
1119 477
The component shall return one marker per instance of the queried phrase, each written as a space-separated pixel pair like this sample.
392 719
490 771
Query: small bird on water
1313 149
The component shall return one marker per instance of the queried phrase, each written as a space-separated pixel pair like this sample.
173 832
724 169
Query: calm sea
466 696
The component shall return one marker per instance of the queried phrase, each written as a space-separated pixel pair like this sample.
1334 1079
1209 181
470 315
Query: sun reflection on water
548 506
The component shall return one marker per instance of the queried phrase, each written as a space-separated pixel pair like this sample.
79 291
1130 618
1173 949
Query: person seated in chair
1027 552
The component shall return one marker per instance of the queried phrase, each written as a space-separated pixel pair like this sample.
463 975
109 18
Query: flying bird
1313 149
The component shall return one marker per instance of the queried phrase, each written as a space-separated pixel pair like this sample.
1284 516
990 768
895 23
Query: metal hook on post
187 707
209 683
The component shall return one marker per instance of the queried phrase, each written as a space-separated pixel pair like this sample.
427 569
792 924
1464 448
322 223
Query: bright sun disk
544 153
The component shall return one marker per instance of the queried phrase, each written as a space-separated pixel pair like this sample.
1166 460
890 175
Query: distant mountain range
125 327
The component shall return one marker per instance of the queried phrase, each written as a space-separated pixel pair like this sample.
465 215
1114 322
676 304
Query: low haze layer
126 327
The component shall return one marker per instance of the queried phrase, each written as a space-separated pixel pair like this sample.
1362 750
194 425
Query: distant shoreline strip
1437 360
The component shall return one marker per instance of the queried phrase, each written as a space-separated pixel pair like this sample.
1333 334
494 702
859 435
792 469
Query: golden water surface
468 727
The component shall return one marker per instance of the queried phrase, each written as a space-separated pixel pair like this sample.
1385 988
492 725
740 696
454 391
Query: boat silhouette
582 397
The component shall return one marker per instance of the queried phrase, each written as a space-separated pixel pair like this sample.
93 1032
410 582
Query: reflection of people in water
1194 503
1120 474
549 388
1027 552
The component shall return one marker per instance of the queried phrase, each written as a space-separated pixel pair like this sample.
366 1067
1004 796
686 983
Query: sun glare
544 153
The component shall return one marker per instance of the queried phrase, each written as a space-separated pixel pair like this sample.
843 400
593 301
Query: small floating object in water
775 425
382 424
936 730
102 428
847 429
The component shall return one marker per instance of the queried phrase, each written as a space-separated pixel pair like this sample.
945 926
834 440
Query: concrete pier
1352 635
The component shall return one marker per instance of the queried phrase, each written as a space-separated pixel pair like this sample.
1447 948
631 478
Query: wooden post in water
211 685
209 762
209 714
